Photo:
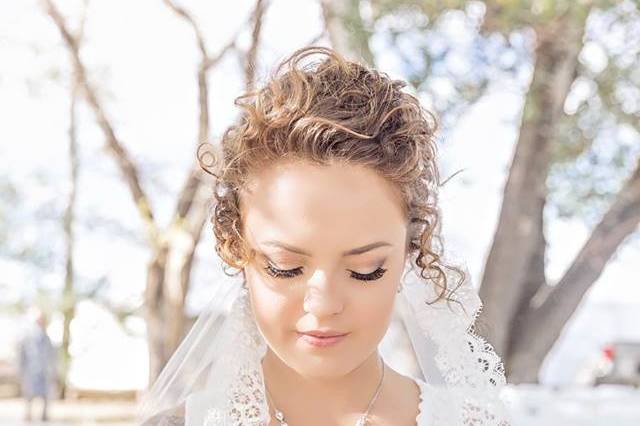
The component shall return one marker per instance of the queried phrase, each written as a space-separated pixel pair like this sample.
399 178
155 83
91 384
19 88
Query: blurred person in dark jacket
37 365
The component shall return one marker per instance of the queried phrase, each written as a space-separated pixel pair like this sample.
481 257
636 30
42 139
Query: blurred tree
68 300
523 313
565 135
528 315
173 248
8 195
347 29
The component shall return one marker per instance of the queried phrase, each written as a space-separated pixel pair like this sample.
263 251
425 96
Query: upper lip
323 333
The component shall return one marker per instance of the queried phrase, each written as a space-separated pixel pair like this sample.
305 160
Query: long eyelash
290 273
375 275
282 273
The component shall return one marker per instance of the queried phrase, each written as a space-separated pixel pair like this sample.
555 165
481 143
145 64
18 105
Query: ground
71 413
530 405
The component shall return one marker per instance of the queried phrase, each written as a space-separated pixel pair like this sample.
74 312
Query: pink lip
321 339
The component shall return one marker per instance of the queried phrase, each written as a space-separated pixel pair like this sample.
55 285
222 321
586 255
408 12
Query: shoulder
400 399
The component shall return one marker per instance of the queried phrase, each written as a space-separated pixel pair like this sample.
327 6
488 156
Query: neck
351 391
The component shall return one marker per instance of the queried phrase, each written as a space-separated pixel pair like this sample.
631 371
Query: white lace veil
215 375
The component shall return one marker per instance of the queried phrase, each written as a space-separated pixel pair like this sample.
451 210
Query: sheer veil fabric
215 376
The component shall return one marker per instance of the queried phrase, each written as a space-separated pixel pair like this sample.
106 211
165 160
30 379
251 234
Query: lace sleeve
476 414
446 407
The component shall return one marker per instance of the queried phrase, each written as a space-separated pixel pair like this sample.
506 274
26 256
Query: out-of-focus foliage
447 61
8 198
35 211
502 16
574 64
597 138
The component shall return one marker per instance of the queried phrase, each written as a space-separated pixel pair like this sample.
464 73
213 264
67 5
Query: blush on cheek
374 315
272 311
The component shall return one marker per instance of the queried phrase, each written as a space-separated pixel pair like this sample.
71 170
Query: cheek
273 310
277 311
373 313
374 307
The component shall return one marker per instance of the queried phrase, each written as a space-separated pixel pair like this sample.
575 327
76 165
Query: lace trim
243 401
472 371
446 324
423 406
473 377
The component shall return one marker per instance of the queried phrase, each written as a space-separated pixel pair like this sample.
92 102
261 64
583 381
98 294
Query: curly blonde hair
326 111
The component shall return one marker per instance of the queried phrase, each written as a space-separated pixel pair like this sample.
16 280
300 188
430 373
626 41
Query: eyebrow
352 252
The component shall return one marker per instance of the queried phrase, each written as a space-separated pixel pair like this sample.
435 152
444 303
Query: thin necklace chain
362 420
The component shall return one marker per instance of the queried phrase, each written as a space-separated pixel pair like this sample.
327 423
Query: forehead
337 203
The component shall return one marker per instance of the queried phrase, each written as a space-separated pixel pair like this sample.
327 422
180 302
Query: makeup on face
328 244
281 264
322 339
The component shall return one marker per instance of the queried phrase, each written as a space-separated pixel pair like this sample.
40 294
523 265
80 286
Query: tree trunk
347 30
68 305
540 326
169 271
516 248
168 278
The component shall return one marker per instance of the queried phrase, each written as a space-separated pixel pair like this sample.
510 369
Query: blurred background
105 246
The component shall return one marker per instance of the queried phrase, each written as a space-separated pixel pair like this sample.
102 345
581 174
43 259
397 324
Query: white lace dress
236 396
196 408
423 414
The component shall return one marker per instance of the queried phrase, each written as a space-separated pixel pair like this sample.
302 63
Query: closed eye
373 276
291 273
282 273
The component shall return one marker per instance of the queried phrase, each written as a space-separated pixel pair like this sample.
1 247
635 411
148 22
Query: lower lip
321 342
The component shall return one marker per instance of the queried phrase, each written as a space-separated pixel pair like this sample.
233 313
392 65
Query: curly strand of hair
335 110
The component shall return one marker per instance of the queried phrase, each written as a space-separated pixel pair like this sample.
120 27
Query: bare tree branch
251 56
68 305
180 11
193 181
169 271
620 221
213 61
115 146
207 62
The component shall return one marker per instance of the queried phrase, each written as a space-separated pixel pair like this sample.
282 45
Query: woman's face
335 236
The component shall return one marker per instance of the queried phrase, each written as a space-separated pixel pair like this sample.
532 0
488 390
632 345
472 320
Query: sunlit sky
144 59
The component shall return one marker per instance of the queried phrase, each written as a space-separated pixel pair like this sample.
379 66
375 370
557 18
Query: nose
321 298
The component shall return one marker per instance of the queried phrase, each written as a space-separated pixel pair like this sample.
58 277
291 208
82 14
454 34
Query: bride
326 206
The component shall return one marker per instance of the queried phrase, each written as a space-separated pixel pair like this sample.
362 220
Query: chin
314 371
318 362
321 366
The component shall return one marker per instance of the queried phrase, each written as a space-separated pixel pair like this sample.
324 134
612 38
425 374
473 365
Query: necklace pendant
362 420
280 418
